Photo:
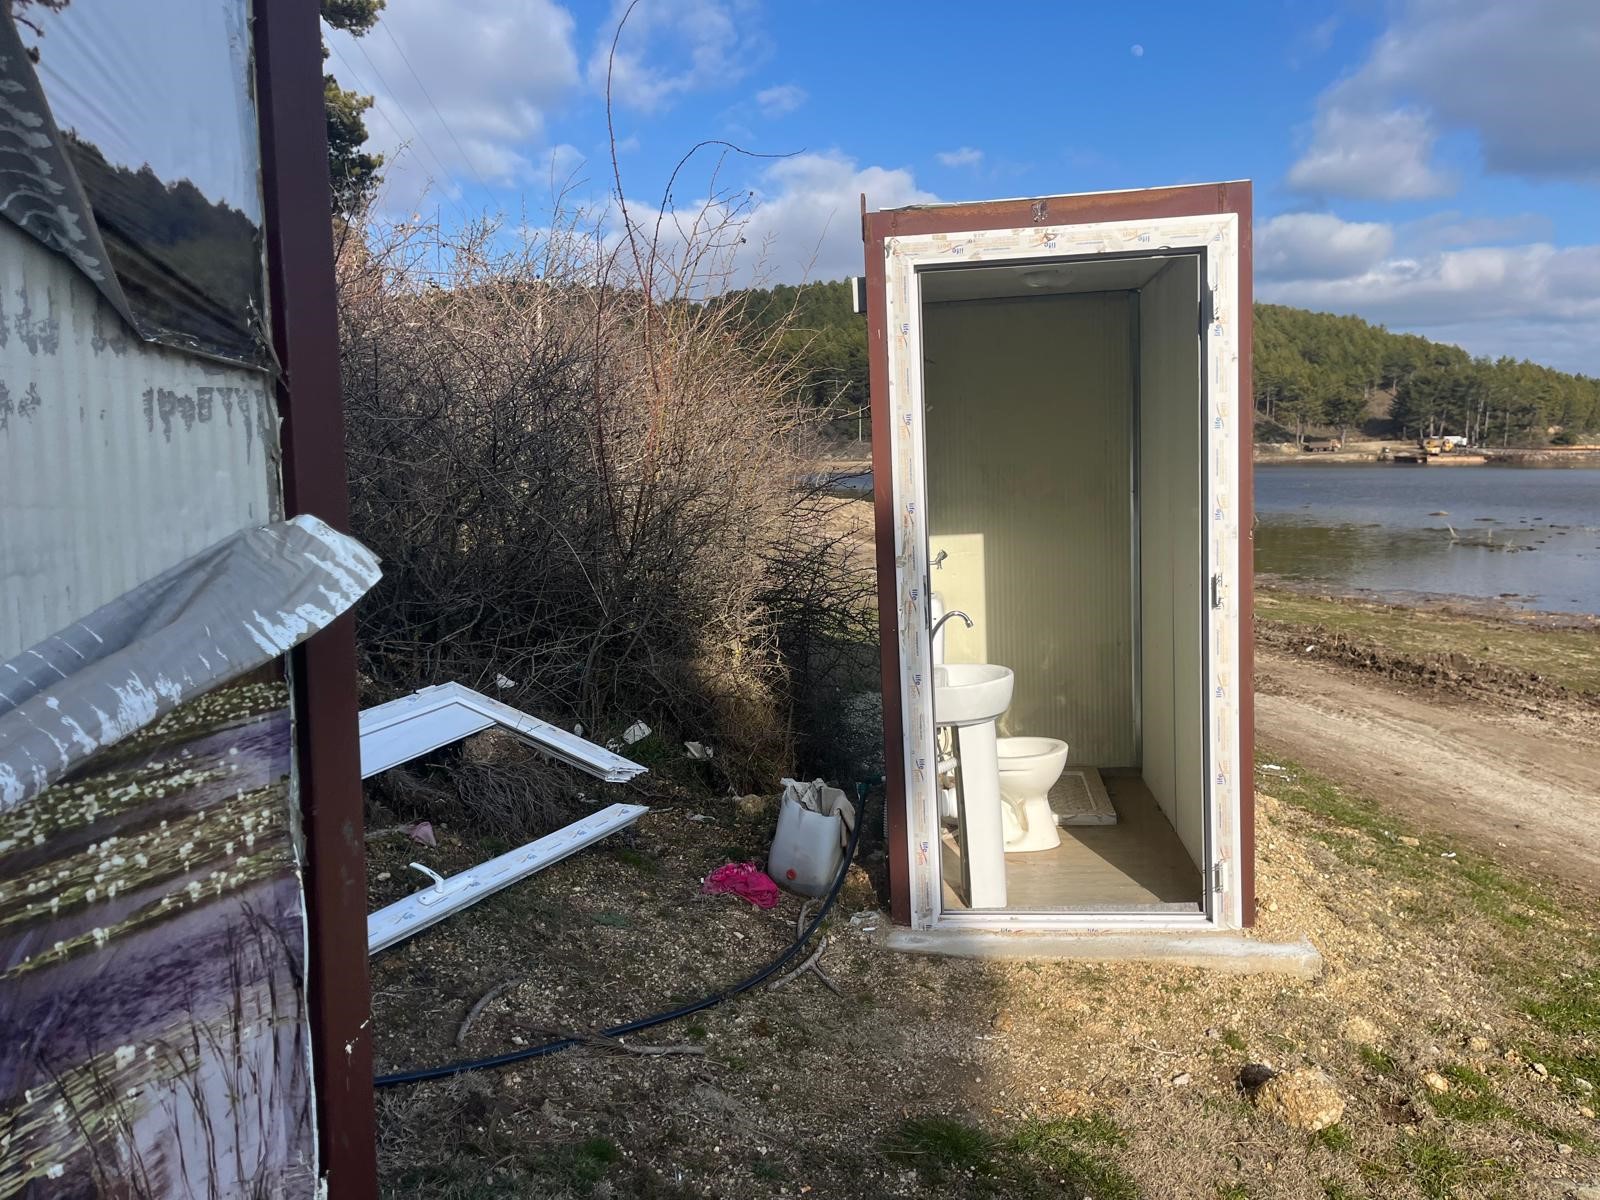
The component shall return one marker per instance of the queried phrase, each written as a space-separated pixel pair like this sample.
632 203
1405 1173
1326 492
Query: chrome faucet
954 612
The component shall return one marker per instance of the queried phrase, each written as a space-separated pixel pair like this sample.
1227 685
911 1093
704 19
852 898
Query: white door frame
1215 237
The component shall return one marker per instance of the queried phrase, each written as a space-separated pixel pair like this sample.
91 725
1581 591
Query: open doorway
1063 419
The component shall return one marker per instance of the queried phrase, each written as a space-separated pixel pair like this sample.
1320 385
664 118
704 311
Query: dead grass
947 1078
1561 651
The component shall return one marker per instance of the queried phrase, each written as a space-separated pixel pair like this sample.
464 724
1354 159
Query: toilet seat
1029 768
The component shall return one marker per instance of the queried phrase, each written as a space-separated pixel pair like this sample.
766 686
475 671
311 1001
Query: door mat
1079 798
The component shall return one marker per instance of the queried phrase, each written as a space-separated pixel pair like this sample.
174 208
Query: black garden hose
423 1074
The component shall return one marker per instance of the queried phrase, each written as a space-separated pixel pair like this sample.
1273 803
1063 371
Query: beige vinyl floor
1136 863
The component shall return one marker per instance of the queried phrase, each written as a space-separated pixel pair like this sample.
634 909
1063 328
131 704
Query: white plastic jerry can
814 823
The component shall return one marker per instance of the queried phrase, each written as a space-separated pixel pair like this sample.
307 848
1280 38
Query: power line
381 108
389 89
465 157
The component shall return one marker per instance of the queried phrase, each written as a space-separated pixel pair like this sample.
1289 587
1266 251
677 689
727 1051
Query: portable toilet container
1061 425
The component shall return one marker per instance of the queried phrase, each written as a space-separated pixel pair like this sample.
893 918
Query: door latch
1216 590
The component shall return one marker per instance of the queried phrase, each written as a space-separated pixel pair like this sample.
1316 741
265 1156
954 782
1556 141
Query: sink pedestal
983 841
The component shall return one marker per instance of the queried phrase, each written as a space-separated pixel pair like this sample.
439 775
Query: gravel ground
937 1077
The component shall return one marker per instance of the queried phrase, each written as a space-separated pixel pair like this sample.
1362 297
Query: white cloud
1136 50
964 157
669 48
461 89
1536 300
1519 78
1372 155
562 168
784 98
806 219
802 222
1444 230
1319 246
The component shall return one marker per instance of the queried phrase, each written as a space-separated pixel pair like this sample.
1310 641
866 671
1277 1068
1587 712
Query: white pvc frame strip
1216 236
411 726
415 913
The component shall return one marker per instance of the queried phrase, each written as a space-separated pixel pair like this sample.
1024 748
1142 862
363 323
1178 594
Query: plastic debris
501 682
698 750
636 732
422 832
745 880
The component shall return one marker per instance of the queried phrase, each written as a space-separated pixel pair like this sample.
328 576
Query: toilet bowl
1029 768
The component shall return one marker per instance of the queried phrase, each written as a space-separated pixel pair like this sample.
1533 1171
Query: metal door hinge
1219 877
1216 590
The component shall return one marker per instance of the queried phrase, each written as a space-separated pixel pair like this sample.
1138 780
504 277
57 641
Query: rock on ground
1304 1098
1359 1031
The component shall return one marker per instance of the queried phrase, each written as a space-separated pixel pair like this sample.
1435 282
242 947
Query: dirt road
1522 784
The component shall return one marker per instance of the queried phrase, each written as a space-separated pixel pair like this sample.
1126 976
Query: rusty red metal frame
305 334
1199 200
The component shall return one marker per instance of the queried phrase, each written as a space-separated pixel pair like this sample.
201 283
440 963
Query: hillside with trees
1317 370
1314 372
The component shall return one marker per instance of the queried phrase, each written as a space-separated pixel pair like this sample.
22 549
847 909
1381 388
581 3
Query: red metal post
305 332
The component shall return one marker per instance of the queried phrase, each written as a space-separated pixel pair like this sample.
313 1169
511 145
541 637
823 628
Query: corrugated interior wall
1172 602
117 458
1029 407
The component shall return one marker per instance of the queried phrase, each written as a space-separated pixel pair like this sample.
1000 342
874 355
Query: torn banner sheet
226 611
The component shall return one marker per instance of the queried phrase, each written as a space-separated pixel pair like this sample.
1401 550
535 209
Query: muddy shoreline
1443 603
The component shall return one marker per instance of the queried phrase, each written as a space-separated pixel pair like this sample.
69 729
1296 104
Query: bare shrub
586 483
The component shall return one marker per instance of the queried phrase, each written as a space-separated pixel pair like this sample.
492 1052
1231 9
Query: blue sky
1431 164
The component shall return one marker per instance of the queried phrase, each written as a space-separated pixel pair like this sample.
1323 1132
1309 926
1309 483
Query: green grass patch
1234 1040
939 1145
1334 1137
582 1166
1570 1007
637 859
1363 832
1434 1166
1062 1158
1471 1097
1039 1138
1569 657
1377 1059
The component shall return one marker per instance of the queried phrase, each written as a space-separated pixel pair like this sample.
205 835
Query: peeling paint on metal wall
118 458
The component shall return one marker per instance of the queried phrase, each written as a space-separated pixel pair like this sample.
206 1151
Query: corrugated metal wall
1029 407
1172 601
117 458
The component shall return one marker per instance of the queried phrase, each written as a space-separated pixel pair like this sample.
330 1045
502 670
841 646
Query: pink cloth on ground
745 880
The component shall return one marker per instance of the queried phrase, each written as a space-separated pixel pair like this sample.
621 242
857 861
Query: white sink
970 693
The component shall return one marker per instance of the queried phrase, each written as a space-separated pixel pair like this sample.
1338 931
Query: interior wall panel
1028 408
1170 560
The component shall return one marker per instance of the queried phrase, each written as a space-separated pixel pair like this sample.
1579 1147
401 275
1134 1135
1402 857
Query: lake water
1522 536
